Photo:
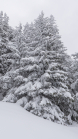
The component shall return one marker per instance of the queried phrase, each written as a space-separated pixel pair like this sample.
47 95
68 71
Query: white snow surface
17 123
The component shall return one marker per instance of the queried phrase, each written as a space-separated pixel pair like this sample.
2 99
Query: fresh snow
28 59
17 123
77 95
67 94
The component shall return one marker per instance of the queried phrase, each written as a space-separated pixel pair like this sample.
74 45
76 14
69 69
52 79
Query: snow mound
16 123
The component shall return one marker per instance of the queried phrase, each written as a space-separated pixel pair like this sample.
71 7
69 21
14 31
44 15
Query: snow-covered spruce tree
52 69
74 73
20 73
73 77
8 54
44 89
15 76
5 51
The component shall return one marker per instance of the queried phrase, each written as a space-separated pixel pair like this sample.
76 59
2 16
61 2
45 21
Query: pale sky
65 13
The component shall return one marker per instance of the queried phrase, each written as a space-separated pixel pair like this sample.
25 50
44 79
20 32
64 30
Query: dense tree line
35 70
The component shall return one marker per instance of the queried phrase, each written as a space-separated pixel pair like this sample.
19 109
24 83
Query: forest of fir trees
35 70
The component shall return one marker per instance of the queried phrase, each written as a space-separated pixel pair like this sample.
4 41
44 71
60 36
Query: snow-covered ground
17 123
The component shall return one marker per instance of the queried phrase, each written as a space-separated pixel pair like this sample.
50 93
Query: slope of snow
16 123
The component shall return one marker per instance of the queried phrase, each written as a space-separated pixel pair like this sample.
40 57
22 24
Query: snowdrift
17 123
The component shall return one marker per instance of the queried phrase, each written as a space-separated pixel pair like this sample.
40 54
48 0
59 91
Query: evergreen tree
4 50
73 77
8 54
74 73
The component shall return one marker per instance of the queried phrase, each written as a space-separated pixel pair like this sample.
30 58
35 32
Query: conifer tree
74 73
8 54
4 50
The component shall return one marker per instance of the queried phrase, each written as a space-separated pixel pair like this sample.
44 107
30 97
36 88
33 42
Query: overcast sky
65 13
